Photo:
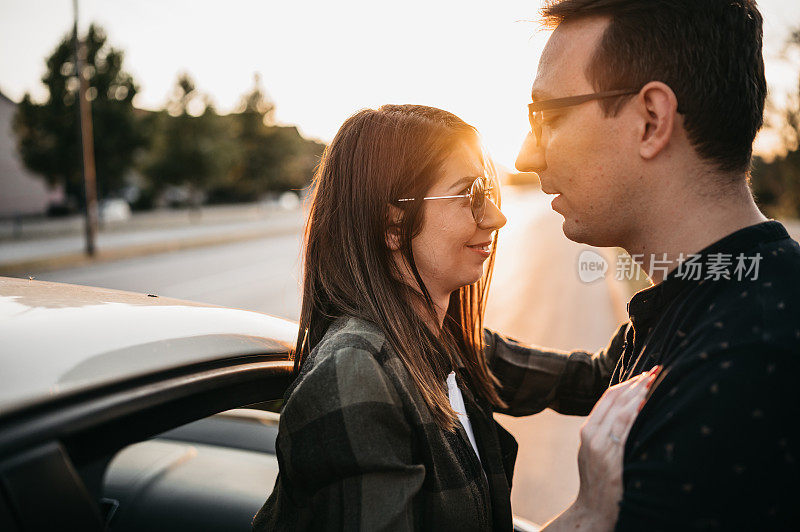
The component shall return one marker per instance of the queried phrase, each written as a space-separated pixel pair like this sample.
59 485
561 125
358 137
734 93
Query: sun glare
321 62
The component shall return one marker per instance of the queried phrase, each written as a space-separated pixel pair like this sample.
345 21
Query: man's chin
571 232
579 233
583 234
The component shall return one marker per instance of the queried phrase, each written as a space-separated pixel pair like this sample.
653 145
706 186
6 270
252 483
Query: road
536 297
145 230
261 274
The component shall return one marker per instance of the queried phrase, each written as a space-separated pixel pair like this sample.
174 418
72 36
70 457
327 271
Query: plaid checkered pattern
358 448
534 379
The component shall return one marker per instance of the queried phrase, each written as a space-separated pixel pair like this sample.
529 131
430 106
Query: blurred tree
47 133
776 184
185 145
268 158
300 157
257 161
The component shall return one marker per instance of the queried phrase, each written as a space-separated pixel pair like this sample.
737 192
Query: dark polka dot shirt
717 445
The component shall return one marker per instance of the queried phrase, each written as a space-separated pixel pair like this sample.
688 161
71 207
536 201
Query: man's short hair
707 51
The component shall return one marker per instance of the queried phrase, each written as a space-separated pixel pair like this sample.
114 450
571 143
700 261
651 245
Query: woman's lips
484 249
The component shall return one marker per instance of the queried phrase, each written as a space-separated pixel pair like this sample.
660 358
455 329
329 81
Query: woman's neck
440 305
441 301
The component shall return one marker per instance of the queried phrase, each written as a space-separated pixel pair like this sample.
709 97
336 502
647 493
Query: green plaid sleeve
533 378
345 447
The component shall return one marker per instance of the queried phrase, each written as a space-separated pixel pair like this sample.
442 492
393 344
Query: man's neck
686 227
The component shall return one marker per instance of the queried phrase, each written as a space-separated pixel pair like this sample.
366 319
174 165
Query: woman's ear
394 219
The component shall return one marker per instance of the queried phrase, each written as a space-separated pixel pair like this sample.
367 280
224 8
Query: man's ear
658 106
394 219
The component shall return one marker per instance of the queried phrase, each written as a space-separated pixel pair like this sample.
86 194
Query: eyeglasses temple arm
436 197
569 101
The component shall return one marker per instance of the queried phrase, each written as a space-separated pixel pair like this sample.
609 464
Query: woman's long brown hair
377 157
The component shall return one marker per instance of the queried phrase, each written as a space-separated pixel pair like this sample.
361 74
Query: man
642 124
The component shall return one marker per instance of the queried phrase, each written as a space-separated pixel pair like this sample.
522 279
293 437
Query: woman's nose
493 218
531 156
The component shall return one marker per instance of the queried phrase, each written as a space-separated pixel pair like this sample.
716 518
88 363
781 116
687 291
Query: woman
388 424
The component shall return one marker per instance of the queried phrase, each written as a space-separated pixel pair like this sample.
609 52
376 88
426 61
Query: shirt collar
647 302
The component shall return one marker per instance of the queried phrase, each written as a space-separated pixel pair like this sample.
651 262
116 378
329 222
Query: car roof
57 338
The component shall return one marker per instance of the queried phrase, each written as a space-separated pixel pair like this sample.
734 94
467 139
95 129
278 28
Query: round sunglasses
481 189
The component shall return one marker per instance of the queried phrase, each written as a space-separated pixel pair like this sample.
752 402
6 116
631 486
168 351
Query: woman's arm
533 378
600 456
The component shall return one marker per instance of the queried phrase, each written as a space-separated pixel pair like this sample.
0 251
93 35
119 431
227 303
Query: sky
321 61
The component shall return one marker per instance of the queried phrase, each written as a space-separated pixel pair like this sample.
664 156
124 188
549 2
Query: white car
123 411
114 210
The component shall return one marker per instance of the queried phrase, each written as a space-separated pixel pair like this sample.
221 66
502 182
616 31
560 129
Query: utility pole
87 139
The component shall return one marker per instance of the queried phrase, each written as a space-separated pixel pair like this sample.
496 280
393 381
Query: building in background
22 193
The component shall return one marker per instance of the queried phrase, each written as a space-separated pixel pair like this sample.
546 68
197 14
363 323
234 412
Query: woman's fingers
618 422
614 396
607 400
602 439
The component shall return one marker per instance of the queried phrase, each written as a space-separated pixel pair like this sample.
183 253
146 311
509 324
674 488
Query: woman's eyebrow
467 180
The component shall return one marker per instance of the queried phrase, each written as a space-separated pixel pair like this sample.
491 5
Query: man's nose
493 218
531 156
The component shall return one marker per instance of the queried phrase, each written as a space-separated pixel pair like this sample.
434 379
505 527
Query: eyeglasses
481 189
535 108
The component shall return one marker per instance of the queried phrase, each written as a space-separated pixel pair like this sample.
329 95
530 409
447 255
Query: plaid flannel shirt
358 448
